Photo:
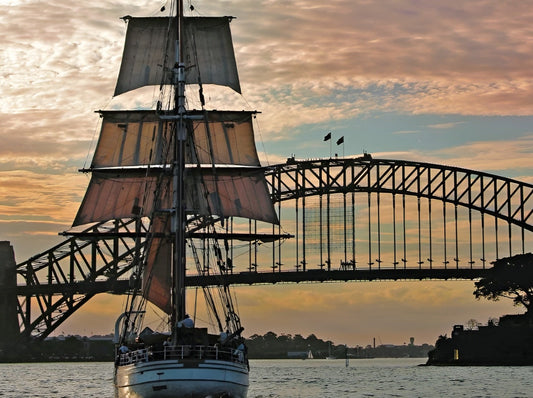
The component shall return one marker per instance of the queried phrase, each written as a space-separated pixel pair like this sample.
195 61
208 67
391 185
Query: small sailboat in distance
178 173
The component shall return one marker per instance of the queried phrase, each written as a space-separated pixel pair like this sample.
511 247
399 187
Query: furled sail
208 52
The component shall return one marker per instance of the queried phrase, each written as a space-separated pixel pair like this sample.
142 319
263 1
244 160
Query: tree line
273 346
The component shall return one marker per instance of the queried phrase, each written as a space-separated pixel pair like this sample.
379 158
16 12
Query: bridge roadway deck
254 278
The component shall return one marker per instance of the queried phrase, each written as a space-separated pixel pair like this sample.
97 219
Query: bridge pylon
9 329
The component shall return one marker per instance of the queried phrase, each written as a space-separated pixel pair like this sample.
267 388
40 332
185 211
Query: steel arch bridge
474 210
340 219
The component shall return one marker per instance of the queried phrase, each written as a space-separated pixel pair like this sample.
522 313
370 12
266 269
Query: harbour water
292 379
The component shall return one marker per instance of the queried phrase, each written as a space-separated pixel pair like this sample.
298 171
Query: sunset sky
448 82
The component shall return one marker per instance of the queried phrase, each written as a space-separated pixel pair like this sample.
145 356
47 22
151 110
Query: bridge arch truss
399 214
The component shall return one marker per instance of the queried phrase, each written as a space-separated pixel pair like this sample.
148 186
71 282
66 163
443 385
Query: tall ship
181 174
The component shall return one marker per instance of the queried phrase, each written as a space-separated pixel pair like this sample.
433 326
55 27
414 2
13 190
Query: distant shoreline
268 346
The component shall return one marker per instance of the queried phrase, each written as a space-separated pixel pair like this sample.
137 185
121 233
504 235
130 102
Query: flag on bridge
328 136
340 140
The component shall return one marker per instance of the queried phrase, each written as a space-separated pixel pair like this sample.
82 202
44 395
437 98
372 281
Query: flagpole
339 142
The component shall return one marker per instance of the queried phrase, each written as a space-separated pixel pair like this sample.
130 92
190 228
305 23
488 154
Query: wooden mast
179 218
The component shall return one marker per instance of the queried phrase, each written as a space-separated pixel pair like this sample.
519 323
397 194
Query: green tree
510 277
299 342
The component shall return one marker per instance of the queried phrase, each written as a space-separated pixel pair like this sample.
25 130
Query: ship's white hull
182 379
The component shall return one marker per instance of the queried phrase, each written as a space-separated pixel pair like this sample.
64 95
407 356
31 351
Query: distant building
509 343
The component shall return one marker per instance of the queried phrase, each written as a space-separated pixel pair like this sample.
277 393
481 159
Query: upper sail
141 137
149 52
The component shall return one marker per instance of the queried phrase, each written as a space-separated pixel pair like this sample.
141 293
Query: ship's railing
182 352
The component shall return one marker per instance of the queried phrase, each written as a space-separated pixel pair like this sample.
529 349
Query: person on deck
187 322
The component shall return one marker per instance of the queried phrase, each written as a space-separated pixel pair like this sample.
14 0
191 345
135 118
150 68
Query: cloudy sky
448 82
